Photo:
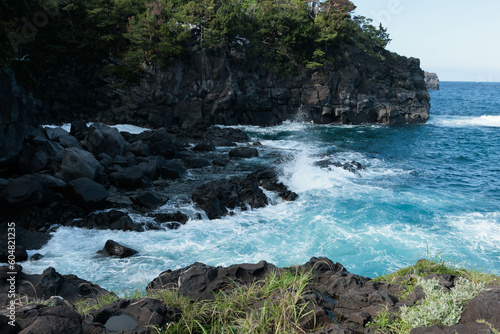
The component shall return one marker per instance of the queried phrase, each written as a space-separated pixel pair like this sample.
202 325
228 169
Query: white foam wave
481 231
133 129
485 121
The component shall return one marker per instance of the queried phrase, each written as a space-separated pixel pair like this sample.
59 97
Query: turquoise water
427 189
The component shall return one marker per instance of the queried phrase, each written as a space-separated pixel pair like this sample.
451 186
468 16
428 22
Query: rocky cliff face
431 81
230 88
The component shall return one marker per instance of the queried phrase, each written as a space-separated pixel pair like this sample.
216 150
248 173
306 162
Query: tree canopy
131 32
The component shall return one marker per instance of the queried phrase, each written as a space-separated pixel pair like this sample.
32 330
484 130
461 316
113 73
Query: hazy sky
457 39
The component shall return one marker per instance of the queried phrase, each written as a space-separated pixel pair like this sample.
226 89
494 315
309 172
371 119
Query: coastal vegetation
122 35
277 304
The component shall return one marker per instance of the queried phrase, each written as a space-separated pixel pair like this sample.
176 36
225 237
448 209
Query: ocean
426 190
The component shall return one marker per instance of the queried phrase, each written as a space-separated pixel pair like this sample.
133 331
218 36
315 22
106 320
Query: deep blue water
427 189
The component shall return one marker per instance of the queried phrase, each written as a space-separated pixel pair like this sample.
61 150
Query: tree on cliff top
138 31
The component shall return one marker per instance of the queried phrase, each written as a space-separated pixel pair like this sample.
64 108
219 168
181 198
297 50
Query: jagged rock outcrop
431 81
231 88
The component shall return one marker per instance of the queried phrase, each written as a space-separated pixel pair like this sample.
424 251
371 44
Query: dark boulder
132 316
77 163
196 163
101 138
172 171
225 143
215 196
54 133
112 248
79 130
36 257
61 318
24 191
140 149
199 281
50 283
486 306
148 199
20 253
205 146
161 143
171 220
111 220
87 193
129 178
469 328
243 152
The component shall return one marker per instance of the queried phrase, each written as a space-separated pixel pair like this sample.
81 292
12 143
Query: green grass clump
438 307
274 305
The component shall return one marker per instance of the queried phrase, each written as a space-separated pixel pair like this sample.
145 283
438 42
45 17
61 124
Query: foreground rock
334 302
49 283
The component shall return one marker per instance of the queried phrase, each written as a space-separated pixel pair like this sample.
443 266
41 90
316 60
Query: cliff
230 88
431 81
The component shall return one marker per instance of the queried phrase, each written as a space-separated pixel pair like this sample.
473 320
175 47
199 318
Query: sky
457 39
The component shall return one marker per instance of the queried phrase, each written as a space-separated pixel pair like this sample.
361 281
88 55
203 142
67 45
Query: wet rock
101 138
215 196
243 152
88 193
196 163
129 178
138 316
112 248
54 133
220 162
148 200
206 146
78 163
172 171
68 141
178 217
36 257
111 220
225 143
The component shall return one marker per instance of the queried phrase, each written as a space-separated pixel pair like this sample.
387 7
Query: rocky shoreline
336 300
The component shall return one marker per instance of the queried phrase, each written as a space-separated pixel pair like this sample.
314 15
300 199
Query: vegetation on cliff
133 32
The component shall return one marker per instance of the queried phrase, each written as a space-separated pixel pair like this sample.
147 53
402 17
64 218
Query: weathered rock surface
49 283
431 81
234 89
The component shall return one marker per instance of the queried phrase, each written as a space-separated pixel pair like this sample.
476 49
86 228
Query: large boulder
129 178
50 283
111 220
486 306
24 191
61 318
200 281
243 152
104 139
77 163
87 192
112 248
138 316
216 197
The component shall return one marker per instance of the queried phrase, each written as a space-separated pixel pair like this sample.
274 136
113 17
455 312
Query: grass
273 305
